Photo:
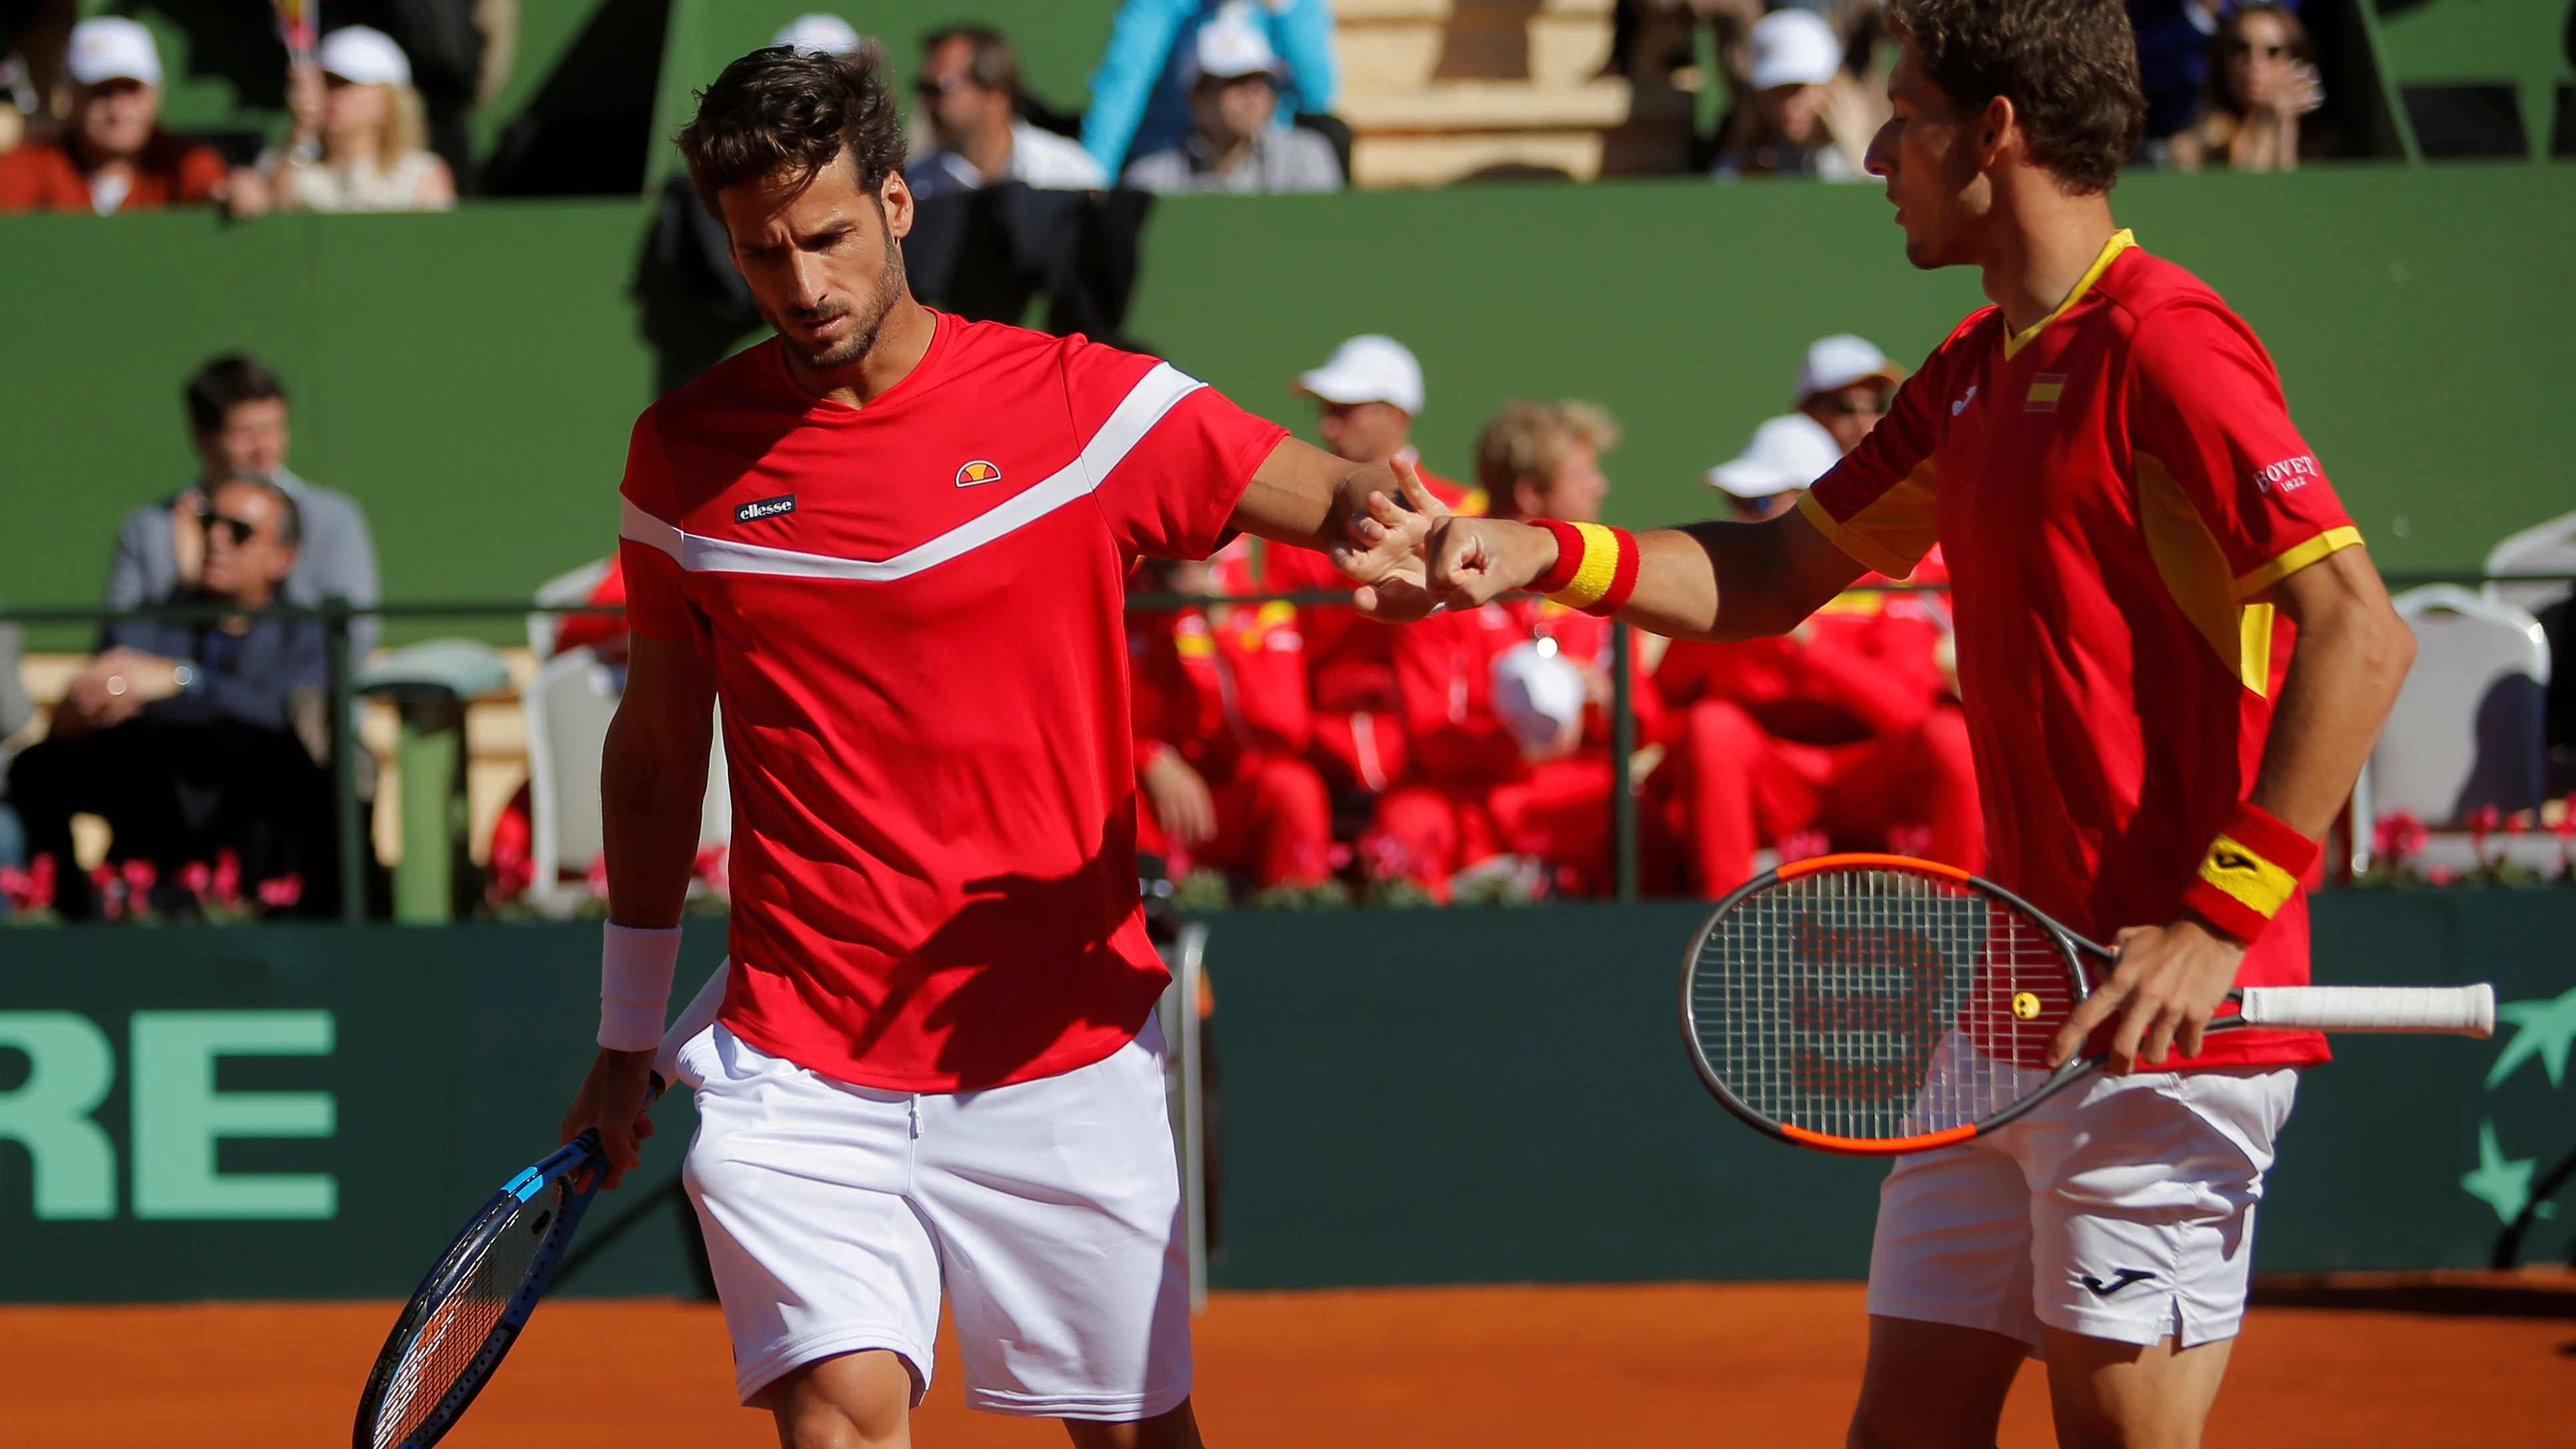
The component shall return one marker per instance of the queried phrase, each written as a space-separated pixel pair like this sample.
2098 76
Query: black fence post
1623 746
344 763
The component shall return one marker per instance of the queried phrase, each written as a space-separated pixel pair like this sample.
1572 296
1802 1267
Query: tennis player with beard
892 542
2174 656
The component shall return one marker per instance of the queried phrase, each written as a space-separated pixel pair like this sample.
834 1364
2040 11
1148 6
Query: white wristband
635 969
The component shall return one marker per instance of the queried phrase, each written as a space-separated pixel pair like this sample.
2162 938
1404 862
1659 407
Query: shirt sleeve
1877 503
2207 422
657 607
1169 456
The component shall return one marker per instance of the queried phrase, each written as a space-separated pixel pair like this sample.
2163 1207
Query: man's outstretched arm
1701 581
653 785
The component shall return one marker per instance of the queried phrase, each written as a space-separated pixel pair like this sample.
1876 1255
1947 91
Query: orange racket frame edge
1826 1141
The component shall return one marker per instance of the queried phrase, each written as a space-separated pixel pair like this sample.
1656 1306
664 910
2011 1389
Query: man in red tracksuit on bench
1222 724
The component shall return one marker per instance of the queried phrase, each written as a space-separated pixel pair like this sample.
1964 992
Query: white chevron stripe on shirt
1146 404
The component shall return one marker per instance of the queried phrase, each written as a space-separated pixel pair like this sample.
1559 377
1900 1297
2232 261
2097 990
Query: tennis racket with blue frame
466 1315
1880 1004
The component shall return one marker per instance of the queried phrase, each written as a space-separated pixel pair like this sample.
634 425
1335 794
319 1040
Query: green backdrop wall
1411 1097
471 377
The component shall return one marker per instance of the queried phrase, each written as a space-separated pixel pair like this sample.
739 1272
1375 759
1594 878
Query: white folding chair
2546 548
570 587
568 706
2467 727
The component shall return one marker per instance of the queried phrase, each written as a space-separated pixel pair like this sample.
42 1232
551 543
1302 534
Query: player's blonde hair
1530 440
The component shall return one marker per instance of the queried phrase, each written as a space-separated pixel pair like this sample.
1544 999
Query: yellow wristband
1600 568
2246 876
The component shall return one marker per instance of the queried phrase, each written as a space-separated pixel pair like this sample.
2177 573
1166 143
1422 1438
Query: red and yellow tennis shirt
915 610
2114 488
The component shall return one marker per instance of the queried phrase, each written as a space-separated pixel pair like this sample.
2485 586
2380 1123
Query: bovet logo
2287 476
760 508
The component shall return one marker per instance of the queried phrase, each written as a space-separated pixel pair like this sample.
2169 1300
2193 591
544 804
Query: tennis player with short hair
2138 538
893 542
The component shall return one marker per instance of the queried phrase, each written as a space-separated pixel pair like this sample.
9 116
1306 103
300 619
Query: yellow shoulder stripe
2296 557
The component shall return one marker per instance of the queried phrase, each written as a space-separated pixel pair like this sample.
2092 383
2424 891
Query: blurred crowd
199 734
1189 96
1295 753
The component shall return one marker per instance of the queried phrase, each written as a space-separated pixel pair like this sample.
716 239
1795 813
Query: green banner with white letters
1408 1097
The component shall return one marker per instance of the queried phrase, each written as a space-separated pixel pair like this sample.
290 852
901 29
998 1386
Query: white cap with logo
1794 48
1230 46
819 33
1789 451
111 47
368 57
1368 368
1840 361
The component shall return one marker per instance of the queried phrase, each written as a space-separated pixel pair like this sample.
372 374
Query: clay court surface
1659 1364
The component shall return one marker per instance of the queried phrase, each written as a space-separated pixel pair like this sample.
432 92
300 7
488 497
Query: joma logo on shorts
2120 1278
2287 476
760 508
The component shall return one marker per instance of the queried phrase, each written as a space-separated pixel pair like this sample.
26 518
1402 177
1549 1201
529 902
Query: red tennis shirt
2113 488
915 612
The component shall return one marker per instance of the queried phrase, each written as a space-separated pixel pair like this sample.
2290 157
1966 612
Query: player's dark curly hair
2070 68
781 108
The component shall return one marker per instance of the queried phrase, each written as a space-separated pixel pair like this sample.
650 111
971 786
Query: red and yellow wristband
1596 566
2249 872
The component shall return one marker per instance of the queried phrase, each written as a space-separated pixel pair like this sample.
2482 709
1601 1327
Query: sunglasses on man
242 529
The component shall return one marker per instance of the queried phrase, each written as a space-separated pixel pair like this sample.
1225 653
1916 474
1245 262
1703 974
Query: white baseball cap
368 57
1230 46
1840 361
1538 693
1368 368
111 47
819 33
1794 48
1790 451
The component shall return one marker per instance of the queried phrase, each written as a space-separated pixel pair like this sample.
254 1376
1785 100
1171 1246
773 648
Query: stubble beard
862 340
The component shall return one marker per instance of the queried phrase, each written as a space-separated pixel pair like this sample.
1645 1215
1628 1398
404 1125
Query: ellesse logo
976 472
760 508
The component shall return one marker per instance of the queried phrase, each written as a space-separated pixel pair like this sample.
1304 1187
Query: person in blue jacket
1139 104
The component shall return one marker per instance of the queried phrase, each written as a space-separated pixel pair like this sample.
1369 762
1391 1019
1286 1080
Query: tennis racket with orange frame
1879 1004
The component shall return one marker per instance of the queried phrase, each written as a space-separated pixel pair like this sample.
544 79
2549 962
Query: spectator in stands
1368 394
1844 734
1787 454
970 93
1234 82
1221 725
1141 96
1809 116
2262 78
16 709
237 419
184 735
2173 61
1844 383
361 136
1506 706
113 156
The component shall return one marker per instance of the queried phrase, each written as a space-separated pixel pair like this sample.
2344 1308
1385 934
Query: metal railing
336 616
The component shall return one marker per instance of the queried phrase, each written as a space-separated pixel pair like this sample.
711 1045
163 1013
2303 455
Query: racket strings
1875 1003
452 1335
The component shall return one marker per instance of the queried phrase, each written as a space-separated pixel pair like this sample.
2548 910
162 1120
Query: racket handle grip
2450 1010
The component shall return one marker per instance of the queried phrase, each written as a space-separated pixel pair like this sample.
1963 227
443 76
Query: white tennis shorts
2121 1208
1050 1208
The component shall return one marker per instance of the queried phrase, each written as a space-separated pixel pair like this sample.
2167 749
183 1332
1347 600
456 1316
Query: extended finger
2080 1022
1424 501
